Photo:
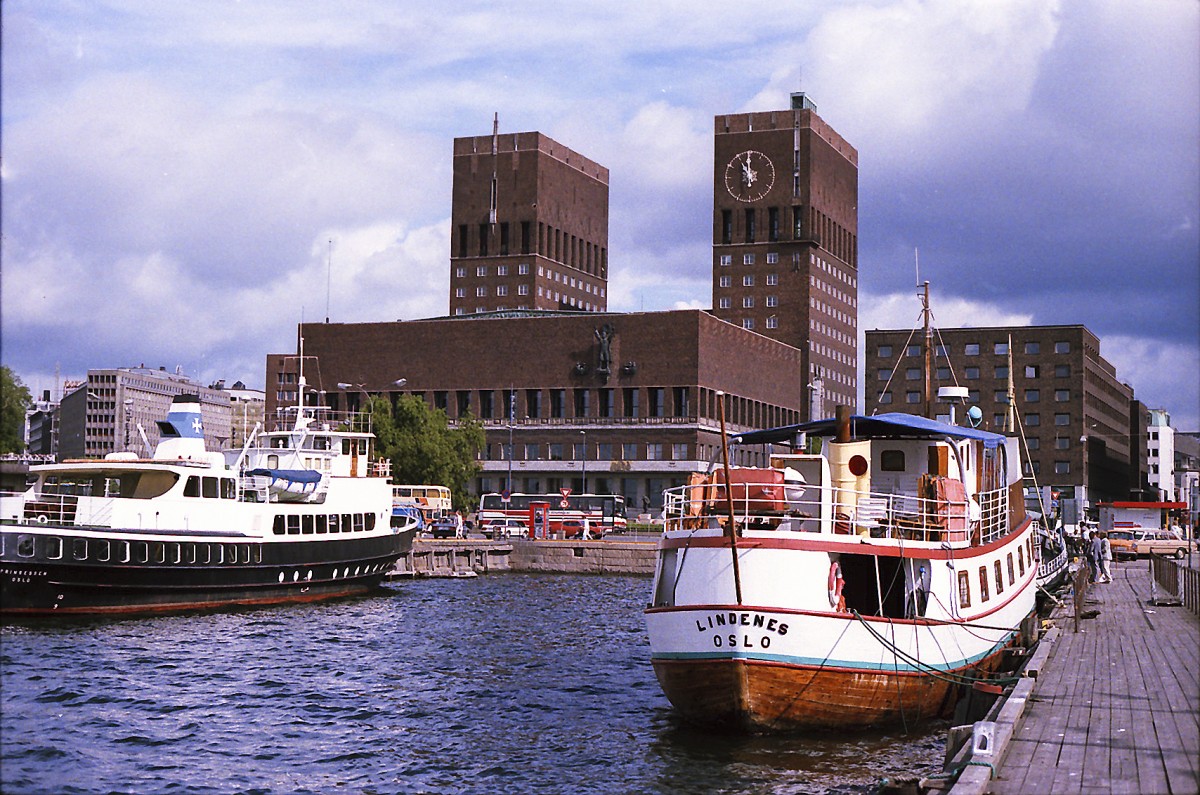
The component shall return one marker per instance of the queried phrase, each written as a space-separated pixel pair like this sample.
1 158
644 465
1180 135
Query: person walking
1105 558
1090 547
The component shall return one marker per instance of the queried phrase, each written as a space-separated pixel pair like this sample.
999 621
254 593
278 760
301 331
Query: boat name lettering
757 620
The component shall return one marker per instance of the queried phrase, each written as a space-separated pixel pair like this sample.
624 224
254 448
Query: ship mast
925 315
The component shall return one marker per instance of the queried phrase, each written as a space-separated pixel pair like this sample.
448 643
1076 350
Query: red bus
604 513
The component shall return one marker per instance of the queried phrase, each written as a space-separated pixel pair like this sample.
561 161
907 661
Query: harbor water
507 683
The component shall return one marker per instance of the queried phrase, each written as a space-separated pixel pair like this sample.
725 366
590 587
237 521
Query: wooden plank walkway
1116 707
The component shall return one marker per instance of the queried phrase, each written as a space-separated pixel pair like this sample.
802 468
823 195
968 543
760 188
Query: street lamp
584 434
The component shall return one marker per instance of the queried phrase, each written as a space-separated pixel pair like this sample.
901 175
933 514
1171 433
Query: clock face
749 176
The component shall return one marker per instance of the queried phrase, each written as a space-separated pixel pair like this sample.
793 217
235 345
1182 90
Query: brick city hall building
567 390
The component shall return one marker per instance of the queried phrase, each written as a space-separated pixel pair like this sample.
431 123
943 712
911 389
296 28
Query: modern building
112 410
529 224
1081 423
785 240
1160 450
626 402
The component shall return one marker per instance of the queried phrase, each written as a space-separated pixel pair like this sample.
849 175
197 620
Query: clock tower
785 240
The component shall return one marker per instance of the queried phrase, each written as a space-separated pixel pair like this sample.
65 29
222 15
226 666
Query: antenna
328 278
917 264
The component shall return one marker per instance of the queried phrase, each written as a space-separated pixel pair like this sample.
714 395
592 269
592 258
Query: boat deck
1116 707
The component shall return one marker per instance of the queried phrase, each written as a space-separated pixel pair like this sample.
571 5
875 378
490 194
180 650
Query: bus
433 502
604 513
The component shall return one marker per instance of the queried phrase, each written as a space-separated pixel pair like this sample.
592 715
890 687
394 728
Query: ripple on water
504 683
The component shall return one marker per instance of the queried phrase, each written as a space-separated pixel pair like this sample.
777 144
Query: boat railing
317 418
67 509
830 509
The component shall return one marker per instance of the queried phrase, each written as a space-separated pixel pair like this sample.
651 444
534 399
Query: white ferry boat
299 514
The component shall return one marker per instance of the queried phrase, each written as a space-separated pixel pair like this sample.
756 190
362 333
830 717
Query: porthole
281 576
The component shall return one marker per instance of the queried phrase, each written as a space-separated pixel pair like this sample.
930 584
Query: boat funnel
181 434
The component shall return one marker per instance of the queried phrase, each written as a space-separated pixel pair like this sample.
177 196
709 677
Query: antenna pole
928 352
328 278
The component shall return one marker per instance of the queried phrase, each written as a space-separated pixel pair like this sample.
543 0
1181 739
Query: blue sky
172 172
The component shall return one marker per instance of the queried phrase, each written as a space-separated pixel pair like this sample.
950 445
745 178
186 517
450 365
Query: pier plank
1116 707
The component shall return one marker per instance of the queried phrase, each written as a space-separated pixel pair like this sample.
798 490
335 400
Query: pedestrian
1089 552
1106 556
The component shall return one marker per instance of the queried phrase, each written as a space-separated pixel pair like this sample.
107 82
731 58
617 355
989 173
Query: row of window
1031 371
320 524
1025 551
973 349
551 243
602 451
103 550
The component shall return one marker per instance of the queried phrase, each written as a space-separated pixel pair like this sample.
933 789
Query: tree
14 402
422 446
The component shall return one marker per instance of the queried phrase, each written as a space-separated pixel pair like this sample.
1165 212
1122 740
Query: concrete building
629 400
1082 424
529 221
785 240
104 415
1160 454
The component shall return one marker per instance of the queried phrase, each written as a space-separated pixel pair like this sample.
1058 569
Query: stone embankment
468 557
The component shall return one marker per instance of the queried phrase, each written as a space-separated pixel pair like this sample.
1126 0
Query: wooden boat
853 587
299 514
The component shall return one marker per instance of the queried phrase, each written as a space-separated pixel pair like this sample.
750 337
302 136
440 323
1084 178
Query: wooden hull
755 695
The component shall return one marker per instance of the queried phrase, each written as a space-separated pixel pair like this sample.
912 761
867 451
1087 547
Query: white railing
834 510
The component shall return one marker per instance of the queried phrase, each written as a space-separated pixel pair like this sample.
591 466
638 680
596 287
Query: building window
604 451
971 373
582 402
885 398
460 292
533 452
461 273
772 279
748 323
747 259
912 397
631 402
607 404
501 270
772 257
725 302
522 289
725 260
885 351
772 322
501 290
1033 348
1033 395
523 269
629 451
747 302
912 350
912 374
1032 420
943 373
1062 443
1062 395
1062 419
654 451
1002 371
748 281
1062 371
481 292
556 451
1062 467
1062 347
481 270
972 349
1032 370
725 281
1000 349
679 452
772 300
558 403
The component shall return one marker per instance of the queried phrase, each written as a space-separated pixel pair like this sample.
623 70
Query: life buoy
836 584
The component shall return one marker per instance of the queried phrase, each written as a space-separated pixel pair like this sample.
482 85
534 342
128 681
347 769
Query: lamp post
128 414
584 490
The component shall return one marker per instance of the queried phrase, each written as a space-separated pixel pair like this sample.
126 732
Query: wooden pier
1111 708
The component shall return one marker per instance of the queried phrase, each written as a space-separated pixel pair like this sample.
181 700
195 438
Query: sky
182 183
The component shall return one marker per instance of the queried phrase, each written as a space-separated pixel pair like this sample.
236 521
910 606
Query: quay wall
466 557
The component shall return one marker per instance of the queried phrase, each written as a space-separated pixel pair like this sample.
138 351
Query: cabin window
216 553
370 522
189 553
891 461
1011 577
278 526
158 552
983 584
293 525
964 589
322 523
333 523
321 443
1021 559
306 524
121 552
203 553
231 553
256 553
999 579
54 547
228 489
79 549
102 550
209 488
272 461
347 525
358 522
192 487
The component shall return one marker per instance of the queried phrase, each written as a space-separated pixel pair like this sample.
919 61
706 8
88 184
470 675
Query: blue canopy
879 426
293 475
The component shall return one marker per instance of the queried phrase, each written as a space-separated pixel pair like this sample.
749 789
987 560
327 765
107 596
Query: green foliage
423 448
14 402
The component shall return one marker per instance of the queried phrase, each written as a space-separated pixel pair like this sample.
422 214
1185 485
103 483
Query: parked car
1161 542
1121 544
573 528
505 528
447 527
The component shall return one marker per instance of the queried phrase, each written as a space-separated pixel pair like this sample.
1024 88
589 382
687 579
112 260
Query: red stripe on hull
764 696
